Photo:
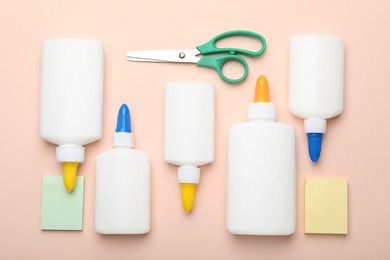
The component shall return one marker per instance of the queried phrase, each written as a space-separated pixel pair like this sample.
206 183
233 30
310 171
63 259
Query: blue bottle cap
314 142
123 123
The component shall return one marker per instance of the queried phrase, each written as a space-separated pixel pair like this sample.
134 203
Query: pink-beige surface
356 146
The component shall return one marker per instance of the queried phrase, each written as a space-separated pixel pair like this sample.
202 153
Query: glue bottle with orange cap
261 180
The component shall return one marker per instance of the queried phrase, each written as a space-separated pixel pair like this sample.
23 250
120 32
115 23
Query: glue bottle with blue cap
316 84
122 200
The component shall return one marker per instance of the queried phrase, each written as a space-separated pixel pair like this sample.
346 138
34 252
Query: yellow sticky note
326 206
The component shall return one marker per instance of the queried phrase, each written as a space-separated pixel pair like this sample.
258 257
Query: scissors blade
180 55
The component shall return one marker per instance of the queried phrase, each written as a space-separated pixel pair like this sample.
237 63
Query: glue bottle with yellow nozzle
261 171
71 100
189 133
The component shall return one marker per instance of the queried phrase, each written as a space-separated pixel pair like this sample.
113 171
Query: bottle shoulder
261 125
123 152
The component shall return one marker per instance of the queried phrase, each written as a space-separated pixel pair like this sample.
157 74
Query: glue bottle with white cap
316 84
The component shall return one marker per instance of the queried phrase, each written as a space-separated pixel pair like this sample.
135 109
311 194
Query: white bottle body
316 76
261 189
71 91
122 197
189 124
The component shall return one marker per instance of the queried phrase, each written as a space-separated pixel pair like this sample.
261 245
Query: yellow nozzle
262 92
70 175
188 195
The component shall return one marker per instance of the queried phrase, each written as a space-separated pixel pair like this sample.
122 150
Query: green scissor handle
217 62
210 48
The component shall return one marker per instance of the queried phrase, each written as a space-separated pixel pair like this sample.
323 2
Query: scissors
203 55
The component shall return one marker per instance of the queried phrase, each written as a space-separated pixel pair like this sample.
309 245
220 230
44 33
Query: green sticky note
61 210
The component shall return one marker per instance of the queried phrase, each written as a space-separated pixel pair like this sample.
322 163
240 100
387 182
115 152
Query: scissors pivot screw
182 55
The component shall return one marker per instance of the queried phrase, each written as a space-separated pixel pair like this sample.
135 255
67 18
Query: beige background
356 146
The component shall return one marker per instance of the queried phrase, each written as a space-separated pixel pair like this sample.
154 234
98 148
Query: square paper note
61 210
326 206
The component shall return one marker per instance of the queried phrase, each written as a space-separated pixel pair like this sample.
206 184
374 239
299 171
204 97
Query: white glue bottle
261 181
316 84
189 133
71 99
122 196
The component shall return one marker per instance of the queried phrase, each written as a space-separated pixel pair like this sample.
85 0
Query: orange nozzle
262 93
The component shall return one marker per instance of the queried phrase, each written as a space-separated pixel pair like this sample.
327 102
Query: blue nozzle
314 142
123 123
